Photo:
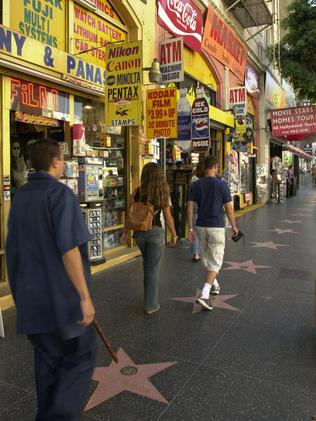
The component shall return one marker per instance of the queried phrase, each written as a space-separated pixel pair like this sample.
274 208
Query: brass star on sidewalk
291 221
248 266
126 376
281 231
218 301
268 245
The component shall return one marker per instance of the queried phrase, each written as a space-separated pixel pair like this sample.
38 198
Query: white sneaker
205 303
215 290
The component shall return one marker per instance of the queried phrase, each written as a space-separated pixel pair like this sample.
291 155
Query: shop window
110 145
190 84
246 165
91 115
21 133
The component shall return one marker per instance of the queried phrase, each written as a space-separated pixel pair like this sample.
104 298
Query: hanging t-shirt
210 194
45 222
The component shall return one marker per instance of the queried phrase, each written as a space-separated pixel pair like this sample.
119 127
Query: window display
114 189
21 133
91 115
107 145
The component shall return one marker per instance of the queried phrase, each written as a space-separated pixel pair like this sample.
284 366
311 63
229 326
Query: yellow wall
195 66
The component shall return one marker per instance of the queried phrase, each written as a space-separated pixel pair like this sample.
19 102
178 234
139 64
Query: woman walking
154 190
195 247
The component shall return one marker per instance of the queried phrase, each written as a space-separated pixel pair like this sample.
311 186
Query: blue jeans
151 245
195 247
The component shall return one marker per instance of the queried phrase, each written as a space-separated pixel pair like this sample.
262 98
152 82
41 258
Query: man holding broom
49 273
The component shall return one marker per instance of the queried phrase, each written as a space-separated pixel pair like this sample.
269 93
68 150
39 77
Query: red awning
296 137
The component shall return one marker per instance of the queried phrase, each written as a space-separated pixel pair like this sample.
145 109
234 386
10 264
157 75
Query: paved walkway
251 359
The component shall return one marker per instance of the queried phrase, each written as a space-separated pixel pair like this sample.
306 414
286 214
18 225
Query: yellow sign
124 78
92 34
102 7
74 69
161 113
43 21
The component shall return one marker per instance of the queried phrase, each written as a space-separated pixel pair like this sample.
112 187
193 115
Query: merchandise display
231 173
93 219
262 183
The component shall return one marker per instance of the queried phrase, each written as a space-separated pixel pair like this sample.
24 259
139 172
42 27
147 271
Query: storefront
47 92
202 79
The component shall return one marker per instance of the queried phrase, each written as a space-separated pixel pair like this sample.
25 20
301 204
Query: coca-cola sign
182 18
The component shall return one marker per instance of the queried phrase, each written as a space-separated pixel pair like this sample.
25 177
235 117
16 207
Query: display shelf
113 227
2 252
103 148
115 248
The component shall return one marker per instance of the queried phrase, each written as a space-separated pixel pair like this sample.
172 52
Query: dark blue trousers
63 370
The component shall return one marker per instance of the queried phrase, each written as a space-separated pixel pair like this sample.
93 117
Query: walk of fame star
268 245
218 301
126 376
281 231
248 266
291 221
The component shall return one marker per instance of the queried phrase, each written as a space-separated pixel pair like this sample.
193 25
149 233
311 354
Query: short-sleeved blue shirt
45 222
210 194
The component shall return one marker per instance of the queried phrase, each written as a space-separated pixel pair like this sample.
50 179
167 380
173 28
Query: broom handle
105 341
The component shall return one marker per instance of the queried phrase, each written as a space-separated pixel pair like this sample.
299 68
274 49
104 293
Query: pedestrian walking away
212 196
49 275
155 191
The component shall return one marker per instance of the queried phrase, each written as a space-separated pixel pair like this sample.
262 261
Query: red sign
293 121
221 42
182 18
31 98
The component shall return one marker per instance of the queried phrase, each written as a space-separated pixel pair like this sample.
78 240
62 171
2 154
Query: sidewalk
251 359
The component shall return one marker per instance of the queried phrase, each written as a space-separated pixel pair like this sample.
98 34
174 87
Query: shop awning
220 116
298 151
250 12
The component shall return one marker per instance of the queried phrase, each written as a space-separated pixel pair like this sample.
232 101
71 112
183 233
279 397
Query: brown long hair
154 186
200 169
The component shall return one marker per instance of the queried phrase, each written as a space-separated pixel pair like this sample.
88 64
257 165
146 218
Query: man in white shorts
212 196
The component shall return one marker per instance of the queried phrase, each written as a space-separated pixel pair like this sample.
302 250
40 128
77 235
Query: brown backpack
140 216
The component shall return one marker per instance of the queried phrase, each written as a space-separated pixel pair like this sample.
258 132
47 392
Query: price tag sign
161 113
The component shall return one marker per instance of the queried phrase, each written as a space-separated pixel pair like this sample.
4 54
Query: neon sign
32 98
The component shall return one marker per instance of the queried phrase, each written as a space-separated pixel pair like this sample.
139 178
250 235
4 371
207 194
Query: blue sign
184 127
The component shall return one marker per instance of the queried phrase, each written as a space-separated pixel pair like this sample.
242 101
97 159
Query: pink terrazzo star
248 266
126 376
218 301
291 221
281 231
268 245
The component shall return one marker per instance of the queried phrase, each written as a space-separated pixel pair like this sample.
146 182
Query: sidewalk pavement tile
283 357
213 395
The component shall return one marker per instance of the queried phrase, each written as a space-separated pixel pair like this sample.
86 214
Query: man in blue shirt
49 273
212 196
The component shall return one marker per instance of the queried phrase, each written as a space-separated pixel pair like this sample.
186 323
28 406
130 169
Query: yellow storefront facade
52 76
